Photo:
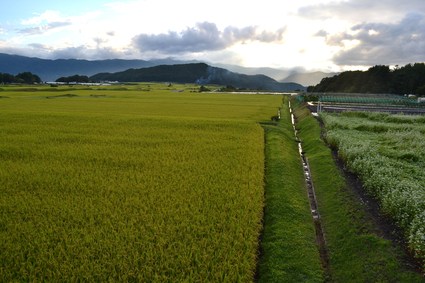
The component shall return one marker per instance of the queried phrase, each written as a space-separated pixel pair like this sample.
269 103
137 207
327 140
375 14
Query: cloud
86 52
380 43
76 52
38 46
47 16
357 10
43 28
322 33
203 37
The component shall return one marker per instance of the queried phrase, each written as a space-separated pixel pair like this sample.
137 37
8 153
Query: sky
310 35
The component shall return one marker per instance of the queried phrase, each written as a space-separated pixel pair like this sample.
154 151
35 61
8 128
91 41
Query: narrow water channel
320 236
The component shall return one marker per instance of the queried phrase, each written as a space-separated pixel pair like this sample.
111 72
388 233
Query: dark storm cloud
203 37
378 43
43 29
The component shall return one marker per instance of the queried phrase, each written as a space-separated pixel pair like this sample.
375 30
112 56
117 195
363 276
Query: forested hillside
25 77
409 79
199 73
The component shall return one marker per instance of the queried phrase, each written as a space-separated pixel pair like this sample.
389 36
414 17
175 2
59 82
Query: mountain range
50 70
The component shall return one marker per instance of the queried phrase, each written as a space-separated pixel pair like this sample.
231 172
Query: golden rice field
148 183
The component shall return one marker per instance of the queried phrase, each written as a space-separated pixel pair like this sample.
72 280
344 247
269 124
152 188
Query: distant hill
307 79
50 70
273 73
197 73
408 79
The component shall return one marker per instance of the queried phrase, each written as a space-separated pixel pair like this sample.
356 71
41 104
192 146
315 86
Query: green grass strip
289 252
357 253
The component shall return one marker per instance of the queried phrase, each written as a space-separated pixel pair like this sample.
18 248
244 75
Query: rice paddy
131 185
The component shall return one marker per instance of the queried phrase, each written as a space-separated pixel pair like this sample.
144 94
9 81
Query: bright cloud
47 16
43 28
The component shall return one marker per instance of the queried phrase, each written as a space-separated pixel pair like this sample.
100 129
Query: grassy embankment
357 253
289 252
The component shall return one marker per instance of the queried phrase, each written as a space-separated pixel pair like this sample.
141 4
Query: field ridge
288 248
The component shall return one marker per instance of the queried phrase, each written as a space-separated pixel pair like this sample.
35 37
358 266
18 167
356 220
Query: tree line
21 78
74 78
30 78
409 79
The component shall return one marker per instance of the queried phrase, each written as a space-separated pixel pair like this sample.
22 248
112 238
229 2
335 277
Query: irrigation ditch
320 235
373 231
316 229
